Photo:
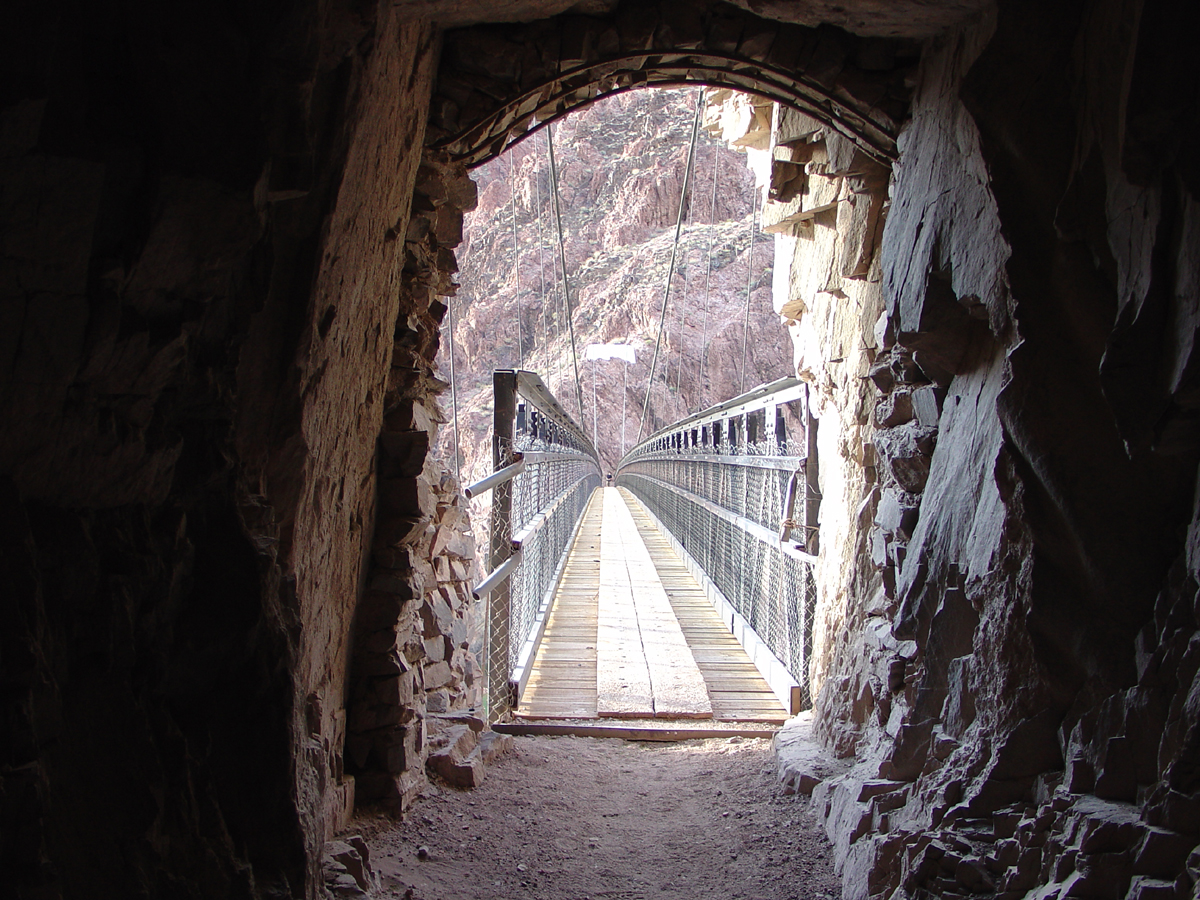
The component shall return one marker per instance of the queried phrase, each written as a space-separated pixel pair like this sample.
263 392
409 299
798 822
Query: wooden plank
563 684
737 688
644 664
563 681
622 674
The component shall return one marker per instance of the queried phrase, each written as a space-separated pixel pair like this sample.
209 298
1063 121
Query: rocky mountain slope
620 169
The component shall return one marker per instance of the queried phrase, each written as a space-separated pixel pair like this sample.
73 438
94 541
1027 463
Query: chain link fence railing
544 472
736 487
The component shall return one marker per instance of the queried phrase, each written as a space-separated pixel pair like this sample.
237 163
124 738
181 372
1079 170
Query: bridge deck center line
622 676
675 678
644 664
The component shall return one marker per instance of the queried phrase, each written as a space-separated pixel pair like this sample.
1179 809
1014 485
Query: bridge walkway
631 635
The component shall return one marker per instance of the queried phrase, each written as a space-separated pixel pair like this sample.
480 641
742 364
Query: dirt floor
574 818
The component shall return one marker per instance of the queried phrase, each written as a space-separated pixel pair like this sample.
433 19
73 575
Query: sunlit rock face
1007 595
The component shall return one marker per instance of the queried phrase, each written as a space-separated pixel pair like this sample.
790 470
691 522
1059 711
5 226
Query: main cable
562 256
686 272
687 174
552 366
537 190
512 184
712 219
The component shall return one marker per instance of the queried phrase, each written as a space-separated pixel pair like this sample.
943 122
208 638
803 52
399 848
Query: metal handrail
498 576
735 486
782 390
545 469
483 485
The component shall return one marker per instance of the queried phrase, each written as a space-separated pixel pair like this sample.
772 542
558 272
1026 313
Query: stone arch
497 85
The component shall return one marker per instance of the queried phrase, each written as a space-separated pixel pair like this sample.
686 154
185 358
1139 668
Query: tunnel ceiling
498 83
869 18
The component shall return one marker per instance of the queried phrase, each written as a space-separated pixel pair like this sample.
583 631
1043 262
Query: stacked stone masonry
413 666
546 69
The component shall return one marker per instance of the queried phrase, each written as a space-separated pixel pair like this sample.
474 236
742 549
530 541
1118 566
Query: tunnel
228 253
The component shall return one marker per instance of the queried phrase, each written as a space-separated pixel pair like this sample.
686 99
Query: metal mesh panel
535 576
534 514
499 600
725 504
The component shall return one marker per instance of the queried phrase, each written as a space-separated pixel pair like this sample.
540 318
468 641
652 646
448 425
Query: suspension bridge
682 592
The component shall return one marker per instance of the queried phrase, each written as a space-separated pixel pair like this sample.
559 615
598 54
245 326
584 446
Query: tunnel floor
578 818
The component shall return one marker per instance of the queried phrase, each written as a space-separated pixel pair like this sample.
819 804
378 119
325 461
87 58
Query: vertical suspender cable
662 317
687 272
512 184
562 256
712 219
749 282
453 389
537 189
557 319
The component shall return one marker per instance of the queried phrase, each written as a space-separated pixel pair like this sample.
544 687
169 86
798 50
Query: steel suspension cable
557 360
687 277
749 282
687 174
712 220
537 190
512 184
684 271
562 256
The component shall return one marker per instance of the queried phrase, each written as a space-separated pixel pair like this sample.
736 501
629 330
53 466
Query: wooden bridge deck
632 635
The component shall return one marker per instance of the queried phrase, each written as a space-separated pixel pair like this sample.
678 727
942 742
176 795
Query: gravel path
568 818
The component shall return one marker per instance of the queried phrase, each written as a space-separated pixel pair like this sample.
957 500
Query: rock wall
1008 650
200 279
412 664
620 165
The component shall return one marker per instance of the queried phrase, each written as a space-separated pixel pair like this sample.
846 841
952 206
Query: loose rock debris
573 818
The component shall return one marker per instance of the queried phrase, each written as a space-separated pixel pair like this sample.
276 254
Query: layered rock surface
1007 596
621 168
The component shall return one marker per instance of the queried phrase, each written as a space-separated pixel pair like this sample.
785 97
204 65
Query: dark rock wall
1040 265
199 280
413 671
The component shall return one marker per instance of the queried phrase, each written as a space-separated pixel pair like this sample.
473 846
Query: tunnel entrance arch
497 85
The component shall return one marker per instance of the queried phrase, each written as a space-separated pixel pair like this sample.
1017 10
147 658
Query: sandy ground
588 818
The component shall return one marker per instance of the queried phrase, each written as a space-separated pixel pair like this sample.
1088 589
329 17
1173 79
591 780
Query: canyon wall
1008 463
621 165
199 298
